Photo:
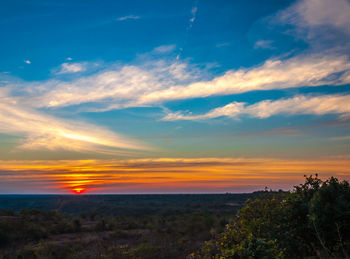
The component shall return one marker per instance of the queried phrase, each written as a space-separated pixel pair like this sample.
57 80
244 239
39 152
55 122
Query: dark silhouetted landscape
312 221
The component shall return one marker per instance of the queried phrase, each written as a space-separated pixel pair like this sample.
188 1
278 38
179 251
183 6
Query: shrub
313 220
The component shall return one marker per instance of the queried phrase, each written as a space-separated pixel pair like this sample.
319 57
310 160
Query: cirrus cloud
40 131
144 85
129 17
69 68
313 13
319 105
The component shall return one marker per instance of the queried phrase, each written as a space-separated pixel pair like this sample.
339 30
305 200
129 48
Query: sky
172 96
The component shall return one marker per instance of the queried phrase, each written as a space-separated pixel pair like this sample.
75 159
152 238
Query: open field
93 226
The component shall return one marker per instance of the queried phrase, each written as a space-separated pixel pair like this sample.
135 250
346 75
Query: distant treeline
112 226
128 205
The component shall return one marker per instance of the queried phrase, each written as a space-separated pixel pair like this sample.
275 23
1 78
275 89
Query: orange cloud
174 175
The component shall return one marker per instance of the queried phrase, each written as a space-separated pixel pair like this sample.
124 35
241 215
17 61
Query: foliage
311 221
112 226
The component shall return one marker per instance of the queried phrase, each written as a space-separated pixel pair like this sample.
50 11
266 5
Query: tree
312 220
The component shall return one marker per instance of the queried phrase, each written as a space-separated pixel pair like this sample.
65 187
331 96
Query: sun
78 190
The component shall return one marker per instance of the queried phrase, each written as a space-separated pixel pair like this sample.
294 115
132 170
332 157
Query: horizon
86 194
172 97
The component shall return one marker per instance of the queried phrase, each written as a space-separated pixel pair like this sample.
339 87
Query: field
112 226
311 221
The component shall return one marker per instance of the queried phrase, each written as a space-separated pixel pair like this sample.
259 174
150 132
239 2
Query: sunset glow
78 190
173 97
165 175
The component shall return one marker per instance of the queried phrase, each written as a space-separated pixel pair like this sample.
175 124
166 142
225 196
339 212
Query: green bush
311 221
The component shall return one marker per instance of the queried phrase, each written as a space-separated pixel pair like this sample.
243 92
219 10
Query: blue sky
116 80
221 36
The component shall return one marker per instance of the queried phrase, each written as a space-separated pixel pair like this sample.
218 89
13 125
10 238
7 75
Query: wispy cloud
164 175
129 17
279 132
121 87
320 105
263 44
323 24
273 74
27 62
141 85
223 44
40 131
193 14
310 14
343 138
165 49
145 85
191 21
69 68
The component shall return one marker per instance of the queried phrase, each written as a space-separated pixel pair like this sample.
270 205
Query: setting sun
79 190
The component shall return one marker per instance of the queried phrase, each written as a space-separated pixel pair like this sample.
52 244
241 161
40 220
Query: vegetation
312 221
112 226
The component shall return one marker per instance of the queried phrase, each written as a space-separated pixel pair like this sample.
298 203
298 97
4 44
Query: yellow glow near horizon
168 174
78 190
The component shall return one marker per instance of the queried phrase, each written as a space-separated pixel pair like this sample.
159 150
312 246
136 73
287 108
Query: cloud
69 59
193 12
144 85
281 132
165 49
158 82
323 24
343 138
118 86
69 68
263 44
27 62
129 17
314 13
41 131
320 105
164 175
224 44
273 74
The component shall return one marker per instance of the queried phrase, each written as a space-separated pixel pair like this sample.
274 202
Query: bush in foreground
312 221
